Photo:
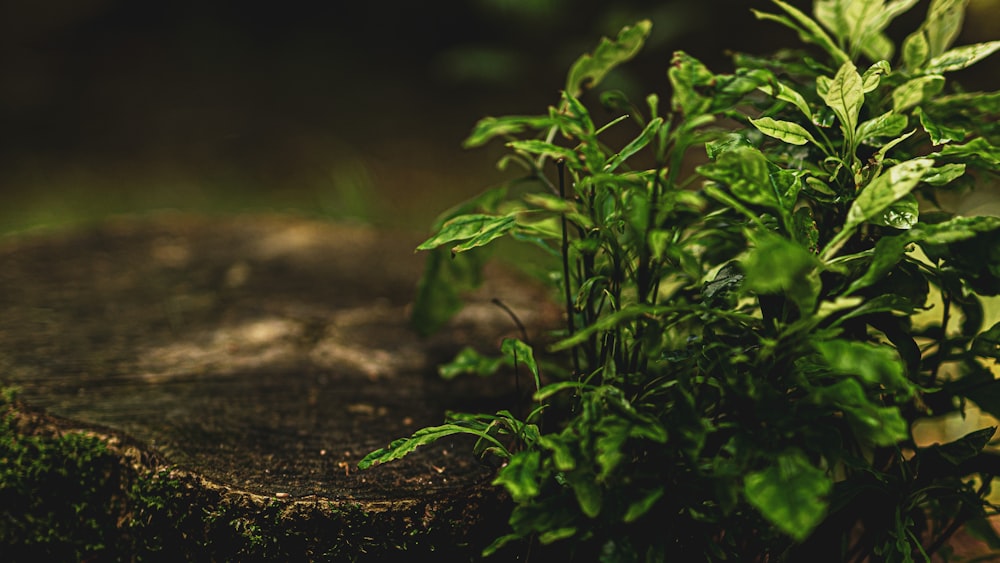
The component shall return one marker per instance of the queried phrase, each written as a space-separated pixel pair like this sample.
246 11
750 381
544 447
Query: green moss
76 496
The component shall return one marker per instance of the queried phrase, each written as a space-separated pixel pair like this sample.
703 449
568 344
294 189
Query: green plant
749 341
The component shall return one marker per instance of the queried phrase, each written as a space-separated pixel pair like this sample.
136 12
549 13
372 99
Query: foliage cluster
749 341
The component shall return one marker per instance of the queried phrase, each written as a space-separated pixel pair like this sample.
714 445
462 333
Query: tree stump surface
263 355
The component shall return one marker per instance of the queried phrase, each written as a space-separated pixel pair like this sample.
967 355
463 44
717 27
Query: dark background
339 110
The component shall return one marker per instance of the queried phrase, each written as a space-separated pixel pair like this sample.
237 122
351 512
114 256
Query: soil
264 354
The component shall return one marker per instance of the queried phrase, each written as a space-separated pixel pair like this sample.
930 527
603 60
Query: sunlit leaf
889 124
844 96
807 28
885 189
787 131
961 57
916 91
791 493
783 92
489 128
542 148
902 214
590 69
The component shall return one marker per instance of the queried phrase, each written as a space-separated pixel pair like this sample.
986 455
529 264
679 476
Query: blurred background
341 110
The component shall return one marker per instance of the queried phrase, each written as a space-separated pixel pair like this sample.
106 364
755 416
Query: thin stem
570 324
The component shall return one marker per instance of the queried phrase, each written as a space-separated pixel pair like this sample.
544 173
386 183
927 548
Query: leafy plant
748 341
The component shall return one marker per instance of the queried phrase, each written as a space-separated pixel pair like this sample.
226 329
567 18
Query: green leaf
915 50
902 214
807 28
978 148
590 69
787 131
687 76
440 287
520 476
963 449
886 189
877 365
790 493
987 344
888 252
472 226
889 124
915 91
939 132
943 175
875 424
588 493
961 57
943 24
776 264
747 172
490 128
469 361
871 77
520 352
785 93
640 507
404 446
845 95
542 148
956 229
637 144
562 455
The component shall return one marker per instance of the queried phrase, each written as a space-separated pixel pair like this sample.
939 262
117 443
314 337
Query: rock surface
265 355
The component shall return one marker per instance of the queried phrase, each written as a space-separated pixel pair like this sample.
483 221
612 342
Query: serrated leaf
915 91
885 189
787 131
962 57
400 448
590 69
687 75
790 493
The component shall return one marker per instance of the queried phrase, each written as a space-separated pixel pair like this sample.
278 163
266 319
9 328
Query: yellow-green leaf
787 131
962 57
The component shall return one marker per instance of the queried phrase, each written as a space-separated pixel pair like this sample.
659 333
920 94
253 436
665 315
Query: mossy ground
78 495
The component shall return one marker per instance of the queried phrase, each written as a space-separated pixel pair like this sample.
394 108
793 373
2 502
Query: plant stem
567 286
